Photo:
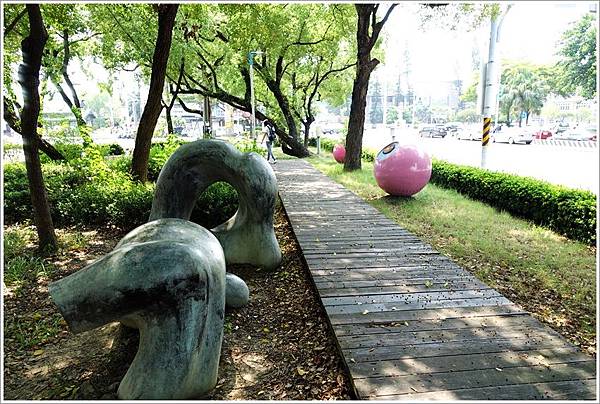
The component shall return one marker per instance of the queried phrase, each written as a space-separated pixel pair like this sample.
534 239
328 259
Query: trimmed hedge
567 211
77 197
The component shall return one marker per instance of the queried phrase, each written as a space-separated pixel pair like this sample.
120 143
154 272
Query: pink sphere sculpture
402 170
339 153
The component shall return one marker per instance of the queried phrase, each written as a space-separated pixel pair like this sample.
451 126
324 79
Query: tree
143 139
523 86
376 112
468 115
367 33
392 115
578 50
32 48
15 27
305 53
69 33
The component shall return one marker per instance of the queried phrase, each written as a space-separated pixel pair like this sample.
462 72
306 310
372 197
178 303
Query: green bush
249 145
87 192
567 211
70 151
328 144
115 149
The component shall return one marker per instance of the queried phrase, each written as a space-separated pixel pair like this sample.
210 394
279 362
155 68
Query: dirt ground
277 347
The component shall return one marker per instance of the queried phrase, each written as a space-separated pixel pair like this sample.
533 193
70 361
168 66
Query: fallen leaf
300 371
38 352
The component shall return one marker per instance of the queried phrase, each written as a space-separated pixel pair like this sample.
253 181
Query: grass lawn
548 274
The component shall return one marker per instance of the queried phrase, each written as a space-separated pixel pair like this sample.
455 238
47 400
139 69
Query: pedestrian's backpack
270 133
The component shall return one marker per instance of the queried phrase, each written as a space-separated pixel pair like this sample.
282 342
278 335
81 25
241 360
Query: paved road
570 166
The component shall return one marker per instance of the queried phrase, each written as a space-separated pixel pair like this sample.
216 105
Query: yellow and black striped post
485 139
487 126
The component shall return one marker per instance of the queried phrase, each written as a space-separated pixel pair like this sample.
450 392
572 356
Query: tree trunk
307 123
75 104
207 119
527 119
32 48
169 120
143 139
367 22
364 67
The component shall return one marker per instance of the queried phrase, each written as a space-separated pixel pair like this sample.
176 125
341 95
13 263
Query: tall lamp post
251 55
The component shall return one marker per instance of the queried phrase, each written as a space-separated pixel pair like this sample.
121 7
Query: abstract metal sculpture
248 237
167 277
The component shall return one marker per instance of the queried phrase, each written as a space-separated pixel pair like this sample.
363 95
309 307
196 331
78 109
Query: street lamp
251 55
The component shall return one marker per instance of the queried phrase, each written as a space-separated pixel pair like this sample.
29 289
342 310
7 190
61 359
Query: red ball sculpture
402 170
339 153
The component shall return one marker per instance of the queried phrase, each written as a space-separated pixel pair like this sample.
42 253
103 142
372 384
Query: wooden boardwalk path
410 323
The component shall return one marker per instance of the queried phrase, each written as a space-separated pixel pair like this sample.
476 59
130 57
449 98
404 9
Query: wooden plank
339 275
335 291
366 247
459 348
435 325
437 313
564 390
452 348
351 254
411 260
378 386
445 267
415 305
326 287
409 297
453 363
429 337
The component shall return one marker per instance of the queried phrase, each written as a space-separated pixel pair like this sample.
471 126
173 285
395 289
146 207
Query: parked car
580 134
560 128
542 134
473 132
513 135
432 131
452 128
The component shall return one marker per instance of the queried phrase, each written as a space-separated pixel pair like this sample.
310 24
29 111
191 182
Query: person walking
269 133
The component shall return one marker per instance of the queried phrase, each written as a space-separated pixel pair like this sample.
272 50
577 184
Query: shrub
70 151
85 192
328 144
249 145
115 149
568 211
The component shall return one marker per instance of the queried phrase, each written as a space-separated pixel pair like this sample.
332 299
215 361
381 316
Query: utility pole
251 55
490 84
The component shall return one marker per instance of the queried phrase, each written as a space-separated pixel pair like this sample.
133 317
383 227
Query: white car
513 135
470 132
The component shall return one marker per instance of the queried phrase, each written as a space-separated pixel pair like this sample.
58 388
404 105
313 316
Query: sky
530 32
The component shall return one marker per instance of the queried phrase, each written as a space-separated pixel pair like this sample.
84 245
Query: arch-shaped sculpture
248 237
166 278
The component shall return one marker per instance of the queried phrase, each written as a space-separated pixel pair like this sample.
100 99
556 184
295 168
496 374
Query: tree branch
14 122
14 22
63 70
379 25
178 86
188 109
